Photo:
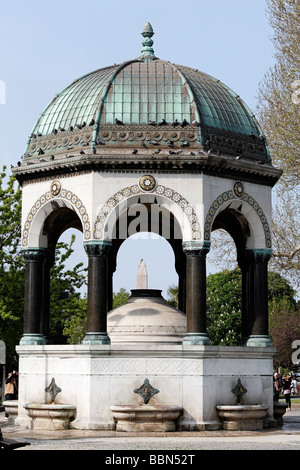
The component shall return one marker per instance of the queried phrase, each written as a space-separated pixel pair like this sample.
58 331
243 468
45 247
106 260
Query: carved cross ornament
239 391
146 391
52 389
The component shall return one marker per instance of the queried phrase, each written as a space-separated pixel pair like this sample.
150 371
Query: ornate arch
146 184
56 192
236 194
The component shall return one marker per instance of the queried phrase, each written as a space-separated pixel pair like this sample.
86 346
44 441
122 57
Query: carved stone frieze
130 134
60 141
230 142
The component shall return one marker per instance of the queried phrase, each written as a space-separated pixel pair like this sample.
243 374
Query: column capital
34 254
258 255
97 248
196 248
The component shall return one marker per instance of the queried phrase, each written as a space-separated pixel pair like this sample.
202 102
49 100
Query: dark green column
34 262
97 292
257 296
196 292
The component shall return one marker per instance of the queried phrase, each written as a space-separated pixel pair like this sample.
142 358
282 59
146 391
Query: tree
224 316
284 319
75 326
66 305
279 115
224 307
278 112
120 298
11 266
65 283
173 295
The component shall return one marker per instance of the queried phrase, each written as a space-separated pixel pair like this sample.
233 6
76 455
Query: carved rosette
147 183
238 189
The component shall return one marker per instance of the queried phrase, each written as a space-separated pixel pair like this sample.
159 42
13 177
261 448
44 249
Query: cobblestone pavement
286 437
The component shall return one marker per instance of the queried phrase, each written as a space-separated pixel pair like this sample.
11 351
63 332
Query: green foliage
173 296
224 306
279 289
66 306
11 266
65 301
120 298
224 316
10 216
284 319
75 327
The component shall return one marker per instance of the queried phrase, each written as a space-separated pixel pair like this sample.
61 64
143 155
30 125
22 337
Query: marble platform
95 377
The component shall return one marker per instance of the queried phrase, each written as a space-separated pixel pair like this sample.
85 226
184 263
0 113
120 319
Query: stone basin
11 407
148 418
50 416
279 410
242 417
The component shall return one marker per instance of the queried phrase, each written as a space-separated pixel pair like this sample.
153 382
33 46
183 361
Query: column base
96 338
196 338
259 341
32 339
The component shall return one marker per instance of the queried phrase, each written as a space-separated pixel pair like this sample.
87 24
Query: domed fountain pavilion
174 151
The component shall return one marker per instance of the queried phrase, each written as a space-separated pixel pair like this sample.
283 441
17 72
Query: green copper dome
145 92
138 92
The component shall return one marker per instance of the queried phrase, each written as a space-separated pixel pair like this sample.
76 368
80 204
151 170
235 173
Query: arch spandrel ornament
57 193
238 194
147 184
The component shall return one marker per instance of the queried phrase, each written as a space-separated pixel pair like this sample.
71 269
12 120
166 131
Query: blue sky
45 45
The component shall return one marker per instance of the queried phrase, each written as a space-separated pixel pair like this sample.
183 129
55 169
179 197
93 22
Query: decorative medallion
55 187
146 391
238 189
147 183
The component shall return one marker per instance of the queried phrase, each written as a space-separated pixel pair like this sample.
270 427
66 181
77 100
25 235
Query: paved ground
111 443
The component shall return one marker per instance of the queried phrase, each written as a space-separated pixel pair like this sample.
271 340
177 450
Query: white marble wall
90 191
93 378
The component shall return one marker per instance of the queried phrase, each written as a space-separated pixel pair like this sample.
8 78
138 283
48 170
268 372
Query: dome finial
147 32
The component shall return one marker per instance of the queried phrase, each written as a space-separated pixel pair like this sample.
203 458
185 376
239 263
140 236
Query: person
286 385
294 386
277 386
11 388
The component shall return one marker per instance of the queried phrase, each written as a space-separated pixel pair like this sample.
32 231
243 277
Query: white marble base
93 378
